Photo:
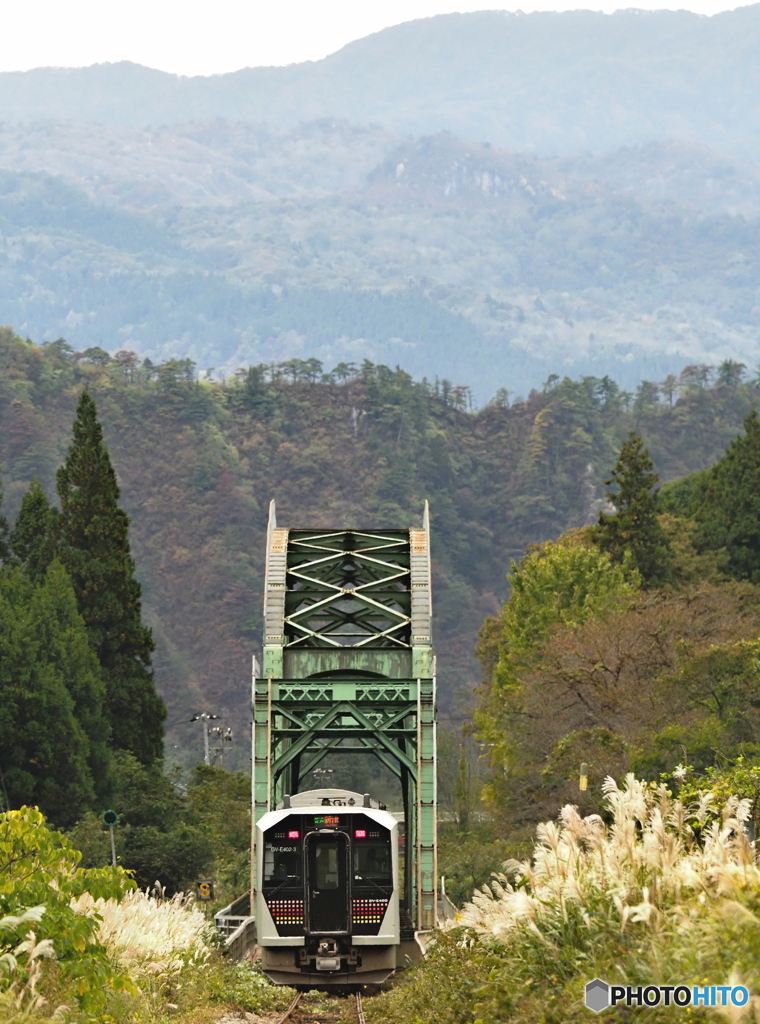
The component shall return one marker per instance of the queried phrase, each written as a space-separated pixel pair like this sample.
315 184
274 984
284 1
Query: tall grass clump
160 944
141 930
172 955
651 892
21 958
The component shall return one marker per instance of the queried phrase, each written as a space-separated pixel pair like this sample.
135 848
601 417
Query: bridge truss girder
348 667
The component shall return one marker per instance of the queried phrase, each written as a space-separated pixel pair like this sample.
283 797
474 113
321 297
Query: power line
182 721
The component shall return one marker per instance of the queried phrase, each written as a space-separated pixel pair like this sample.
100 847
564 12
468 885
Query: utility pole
204 718
221 736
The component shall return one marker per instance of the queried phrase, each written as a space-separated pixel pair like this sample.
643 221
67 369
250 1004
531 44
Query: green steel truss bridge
348 665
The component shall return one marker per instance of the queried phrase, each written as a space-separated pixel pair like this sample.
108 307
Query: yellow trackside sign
204 890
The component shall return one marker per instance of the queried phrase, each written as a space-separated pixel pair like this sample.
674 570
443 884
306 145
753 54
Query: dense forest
82 726
639 633
75 656
199 461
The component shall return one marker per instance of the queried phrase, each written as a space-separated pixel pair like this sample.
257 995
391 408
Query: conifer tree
633 532
94 546
62 640
4 551
43 748
32 540
728 512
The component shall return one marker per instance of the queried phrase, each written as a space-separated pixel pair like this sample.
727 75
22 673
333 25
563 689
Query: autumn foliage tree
557 589
668 676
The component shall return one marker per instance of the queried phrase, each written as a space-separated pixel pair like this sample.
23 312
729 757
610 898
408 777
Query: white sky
203 37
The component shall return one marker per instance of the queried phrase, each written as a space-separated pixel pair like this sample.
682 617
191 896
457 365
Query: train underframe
329 963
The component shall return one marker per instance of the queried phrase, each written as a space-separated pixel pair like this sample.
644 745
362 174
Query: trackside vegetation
84 945
631 646
654 891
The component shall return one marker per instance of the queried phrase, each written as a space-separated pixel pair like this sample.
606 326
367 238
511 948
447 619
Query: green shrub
40 868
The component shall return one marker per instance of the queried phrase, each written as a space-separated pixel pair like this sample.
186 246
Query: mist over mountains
489 198
552 83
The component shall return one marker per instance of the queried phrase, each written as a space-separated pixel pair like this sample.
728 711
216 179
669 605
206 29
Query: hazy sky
193 37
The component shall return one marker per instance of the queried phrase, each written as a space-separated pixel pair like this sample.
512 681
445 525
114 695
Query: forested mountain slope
554 83
362 445
233 244
487 196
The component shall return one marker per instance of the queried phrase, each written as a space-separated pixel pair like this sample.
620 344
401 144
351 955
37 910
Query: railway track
300 1012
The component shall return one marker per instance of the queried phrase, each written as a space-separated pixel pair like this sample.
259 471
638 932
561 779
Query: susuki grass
655 892
142 933
656 853
171 953
83 946
21 1002
154 942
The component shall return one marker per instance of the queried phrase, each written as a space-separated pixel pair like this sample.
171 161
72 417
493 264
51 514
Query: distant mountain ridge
487 198
552 83
234 244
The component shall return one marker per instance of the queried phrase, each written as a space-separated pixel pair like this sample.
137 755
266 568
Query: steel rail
288 1013
359 1010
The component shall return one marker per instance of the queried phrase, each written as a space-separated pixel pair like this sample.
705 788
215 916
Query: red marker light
360 833
294 834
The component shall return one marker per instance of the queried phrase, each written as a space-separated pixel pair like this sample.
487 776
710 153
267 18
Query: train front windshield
327 854
282 862
372 862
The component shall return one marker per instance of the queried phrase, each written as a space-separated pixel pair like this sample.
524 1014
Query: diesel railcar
327 904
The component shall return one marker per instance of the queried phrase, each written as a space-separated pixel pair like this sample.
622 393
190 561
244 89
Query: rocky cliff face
441 169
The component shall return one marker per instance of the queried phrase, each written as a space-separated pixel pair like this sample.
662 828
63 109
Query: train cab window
372 861
282 862
326 865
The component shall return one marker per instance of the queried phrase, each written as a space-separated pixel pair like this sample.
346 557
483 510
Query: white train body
327 893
